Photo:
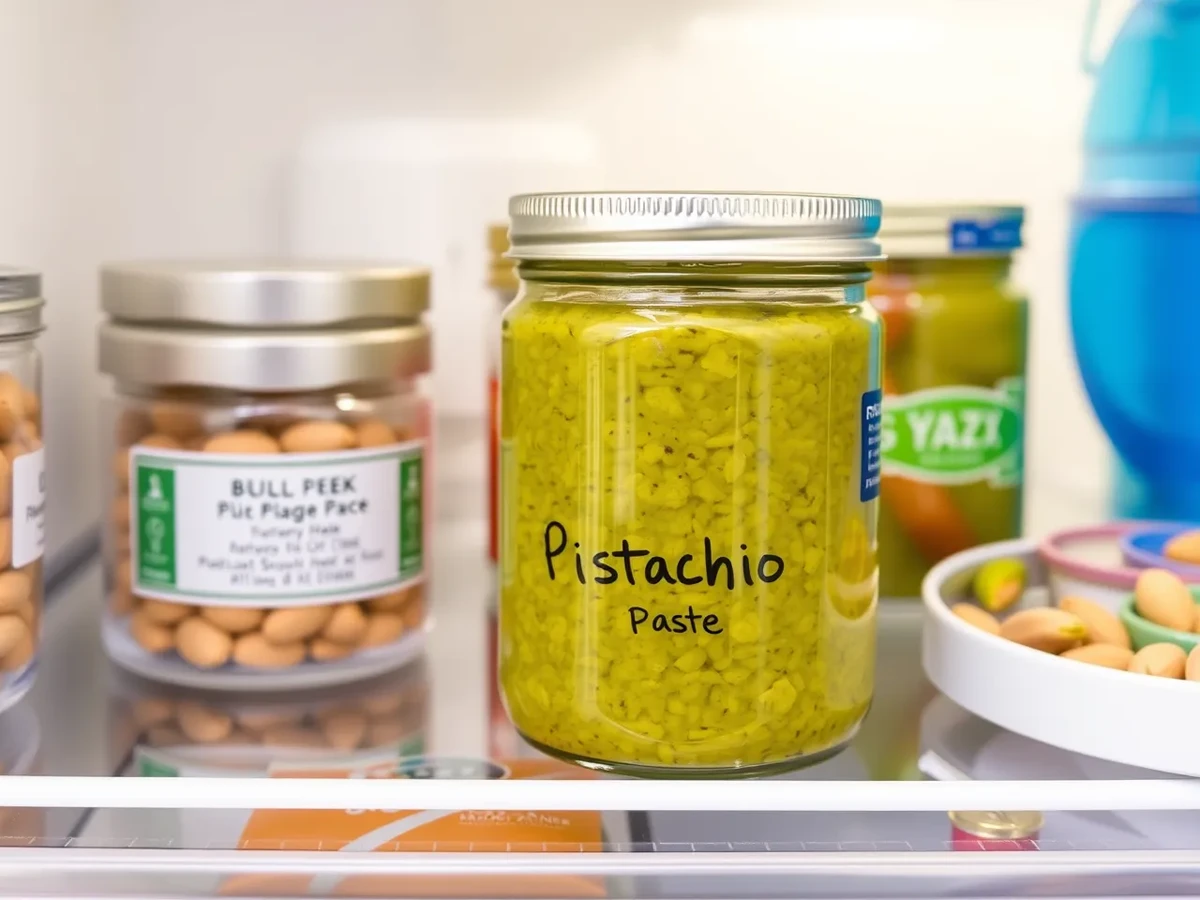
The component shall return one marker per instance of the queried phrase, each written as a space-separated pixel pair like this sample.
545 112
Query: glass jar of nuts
22 480
266 440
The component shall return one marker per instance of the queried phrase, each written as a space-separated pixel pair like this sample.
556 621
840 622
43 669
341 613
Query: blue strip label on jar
968 235
872 444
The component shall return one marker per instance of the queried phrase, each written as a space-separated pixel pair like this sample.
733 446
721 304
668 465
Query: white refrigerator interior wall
59 91
155 128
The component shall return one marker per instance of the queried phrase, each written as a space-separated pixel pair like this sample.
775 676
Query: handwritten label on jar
635 566
319 528
29 508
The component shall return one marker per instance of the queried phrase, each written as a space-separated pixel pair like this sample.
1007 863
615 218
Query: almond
286 626
1110 656
246 440
256 651
1191 669
1161 597
180 420
202 643
375 433
346 626
203 724
1184 547
973 615
316 436
1164 660
234 619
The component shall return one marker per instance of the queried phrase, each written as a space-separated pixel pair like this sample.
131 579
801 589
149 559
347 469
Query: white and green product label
187 758
147 764
956 435
293 530
28 508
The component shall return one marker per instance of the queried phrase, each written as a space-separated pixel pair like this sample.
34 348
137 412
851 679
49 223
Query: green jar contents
690 435
953 424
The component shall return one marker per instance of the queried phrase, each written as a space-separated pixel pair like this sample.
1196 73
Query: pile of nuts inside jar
21 587
1085 631
270 637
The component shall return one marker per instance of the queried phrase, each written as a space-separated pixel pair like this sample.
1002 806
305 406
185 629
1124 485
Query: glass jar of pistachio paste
690 427
953 425
264 452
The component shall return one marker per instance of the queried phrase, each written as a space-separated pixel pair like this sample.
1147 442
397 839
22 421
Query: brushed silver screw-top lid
270 361
263 294
21 302
694 227
951 230
263 327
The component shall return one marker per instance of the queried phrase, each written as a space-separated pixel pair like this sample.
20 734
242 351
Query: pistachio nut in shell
1044 628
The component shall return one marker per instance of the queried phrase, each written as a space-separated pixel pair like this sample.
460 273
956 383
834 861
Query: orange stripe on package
424 831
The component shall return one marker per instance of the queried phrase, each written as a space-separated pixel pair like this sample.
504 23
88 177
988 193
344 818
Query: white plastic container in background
425 191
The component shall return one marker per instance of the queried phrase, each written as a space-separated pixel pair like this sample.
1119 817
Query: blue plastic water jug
1135 259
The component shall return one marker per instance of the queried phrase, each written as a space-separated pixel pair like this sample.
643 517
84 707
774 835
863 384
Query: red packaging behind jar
976 830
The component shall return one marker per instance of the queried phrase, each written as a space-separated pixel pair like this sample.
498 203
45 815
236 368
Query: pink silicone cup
1053 551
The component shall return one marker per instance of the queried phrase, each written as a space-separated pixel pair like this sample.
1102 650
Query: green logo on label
152 768
154 517
956 435
411 515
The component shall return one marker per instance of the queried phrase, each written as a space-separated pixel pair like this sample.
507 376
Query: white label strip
29 508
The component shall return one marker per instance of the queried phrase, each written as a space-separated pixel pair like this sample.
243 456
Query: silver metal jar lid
263 294
262 360
951 230
290 327
21 302
694 227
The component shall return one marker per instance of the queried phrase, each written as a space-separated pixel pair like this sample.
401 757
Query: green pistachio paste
688 565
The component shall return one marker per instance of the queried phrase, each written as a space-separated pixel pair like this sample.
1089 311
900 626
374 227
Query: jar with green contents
690 435
953 424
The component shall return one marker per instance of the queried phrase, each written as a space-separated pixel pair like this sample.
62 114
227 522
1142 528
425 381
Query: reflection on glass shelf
957 744
20 754
175 731
20 740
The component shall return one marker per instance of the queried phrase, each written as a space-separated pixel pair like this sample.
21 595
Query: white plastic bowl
1138 720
